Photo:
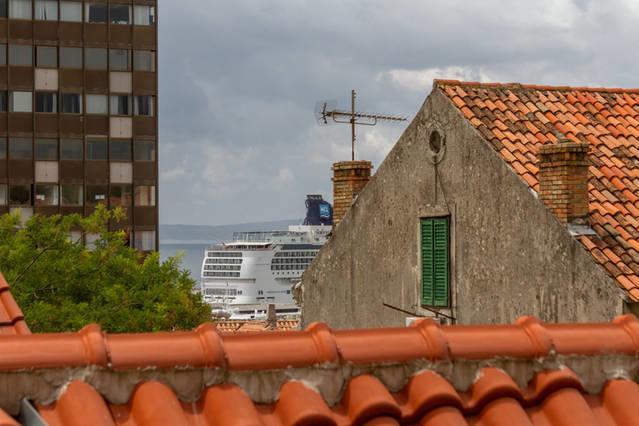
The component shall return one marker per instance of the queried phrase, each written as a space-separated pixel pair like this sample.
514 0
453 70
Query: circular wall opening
435 142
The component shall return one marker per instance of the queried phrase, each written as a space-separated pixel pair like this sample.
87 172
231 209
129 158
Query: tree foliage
61 285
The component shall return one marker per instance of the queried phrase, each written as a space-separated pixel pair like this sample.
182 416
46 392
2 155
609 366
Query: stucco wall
509 255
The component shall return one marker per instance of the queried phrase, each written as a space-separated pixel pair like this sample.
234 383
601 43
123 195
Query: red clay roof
517 119
245 326
523 374
11 317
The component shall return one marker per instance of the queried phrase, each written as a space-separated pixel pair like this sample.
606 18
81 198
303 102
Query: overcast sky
239 81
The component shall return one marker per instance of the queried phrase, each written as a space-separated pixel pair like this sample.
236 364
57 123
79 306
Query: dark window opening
120 59
120 150
46 102
71 149
20 149
120 14
97 13
3 100
96 149
46 149
46 57
96 194
71 195
121 195
70 57
20 195
144 150
70 103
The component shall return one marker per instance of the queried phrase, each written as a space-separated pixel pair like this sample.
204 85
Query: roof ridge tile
439 83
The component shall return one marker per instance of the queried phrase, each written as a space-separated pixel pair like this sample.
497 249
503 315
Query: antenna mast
353 118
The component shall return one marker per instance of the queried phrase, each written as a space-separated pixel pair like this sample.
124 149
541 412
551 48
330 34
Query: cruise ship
240 278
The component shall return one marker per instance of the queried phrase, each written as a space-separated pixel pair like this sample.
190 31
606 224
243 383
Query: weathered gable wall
509 254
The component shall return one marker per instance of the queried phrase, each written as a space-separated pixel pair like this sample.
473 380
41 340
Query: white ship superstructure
242 277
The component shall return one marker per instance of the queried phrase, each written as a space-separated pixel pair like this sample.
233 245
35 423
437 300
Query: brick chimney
563 180
349 177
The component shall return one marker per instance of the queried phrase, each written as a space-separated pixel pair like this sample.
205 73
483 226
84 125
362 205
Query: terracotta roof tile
243 326
606 118
422 374
11 317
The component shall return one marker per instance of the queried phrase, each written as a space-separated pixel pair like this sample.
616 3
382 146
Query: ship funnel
318 211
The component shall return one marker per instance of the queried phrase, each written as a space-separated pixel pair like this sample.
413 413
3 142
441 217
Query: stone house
499 200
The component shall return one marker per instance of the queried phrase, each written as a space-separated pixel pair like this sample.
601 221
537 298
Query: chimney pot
563 180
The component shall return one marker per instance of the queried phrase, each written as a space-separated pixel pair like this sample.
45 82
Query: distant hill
176 234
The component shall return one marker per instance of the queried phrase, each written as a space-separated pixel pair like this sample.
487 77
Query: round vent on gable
436 146
436 142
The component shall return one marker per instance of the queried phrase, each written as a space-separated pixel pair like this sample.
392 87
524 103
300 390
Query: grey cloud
239 80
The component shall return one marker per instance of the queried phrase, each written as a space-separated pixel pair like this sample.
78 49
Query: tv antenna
326 110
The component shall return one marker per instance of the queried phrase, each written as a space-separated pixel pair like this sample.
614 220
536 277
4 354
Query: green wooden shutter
441 262
435 257
427 262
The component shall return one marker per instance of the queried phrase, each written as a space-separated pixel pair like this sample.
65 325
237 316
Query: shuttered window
435 261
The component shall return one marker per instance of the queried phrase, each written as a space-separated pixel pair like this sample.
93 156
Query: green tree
61 285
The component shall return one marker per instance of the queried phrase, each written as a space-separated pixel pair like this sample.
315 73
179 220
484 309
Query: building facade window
120 105
20 149
71 149
20 9
70 11
20 195
96 149
71 195
435 261
21 101
95 58
96 194
70 57
46 102
144 150
144 105
120 150
97 104
70 103
46 149
3 8
120 14
46 10
144 60
3 194
3 101
145 240
46 57
3 148
120 59
46 195
21 55
144 195
144 15
3 54
121 195
96 13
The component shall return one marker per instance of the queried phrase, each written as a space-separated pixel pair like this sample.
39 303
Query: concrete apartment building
78 110
499 200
